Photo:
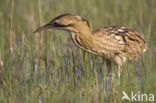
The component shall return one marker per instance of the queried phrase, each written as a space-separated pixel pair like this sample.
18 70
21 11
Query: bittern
112 43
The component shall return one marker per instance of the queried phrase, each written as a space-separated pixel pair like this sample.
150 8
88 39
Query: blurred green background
49 68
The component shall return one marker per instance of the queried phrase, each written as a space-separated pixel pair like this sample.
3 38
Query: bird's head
68 22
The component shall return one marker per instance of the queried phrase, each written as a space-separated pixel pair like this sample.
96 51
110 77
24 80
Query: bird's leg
108 63
118 61
102 63
109 78
100 70
119 70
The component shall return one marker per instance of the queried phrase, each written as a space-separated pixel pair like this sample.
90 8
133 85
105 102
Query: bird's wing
120 33
110 39
122 39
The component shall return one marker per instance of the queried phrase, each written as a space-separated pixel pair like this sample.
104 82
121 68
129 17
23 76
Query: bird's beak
53 25
47 26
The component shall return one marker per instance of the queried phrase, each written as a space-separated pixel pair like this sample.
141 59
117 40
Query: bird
113 43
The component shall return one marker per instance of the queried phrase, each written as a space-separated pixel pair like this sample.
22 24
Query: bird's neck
83 38
84 30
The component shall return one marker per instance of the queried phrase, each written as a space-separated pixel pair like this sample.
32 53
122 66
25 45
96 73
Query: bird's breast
83 44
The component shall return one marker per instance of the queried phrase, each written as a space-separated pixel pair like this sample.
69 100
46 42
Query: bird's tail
146 47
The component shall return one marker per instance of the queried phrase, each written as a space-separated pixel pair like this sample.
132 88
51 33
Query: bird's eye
61 25
70 25
55 23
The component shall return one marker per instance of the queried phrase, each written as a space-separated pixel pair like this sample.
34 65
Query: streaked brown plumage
113 42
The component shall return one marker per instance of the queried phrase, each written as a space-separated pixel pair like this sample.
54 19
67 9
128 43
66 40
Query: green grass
49 68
